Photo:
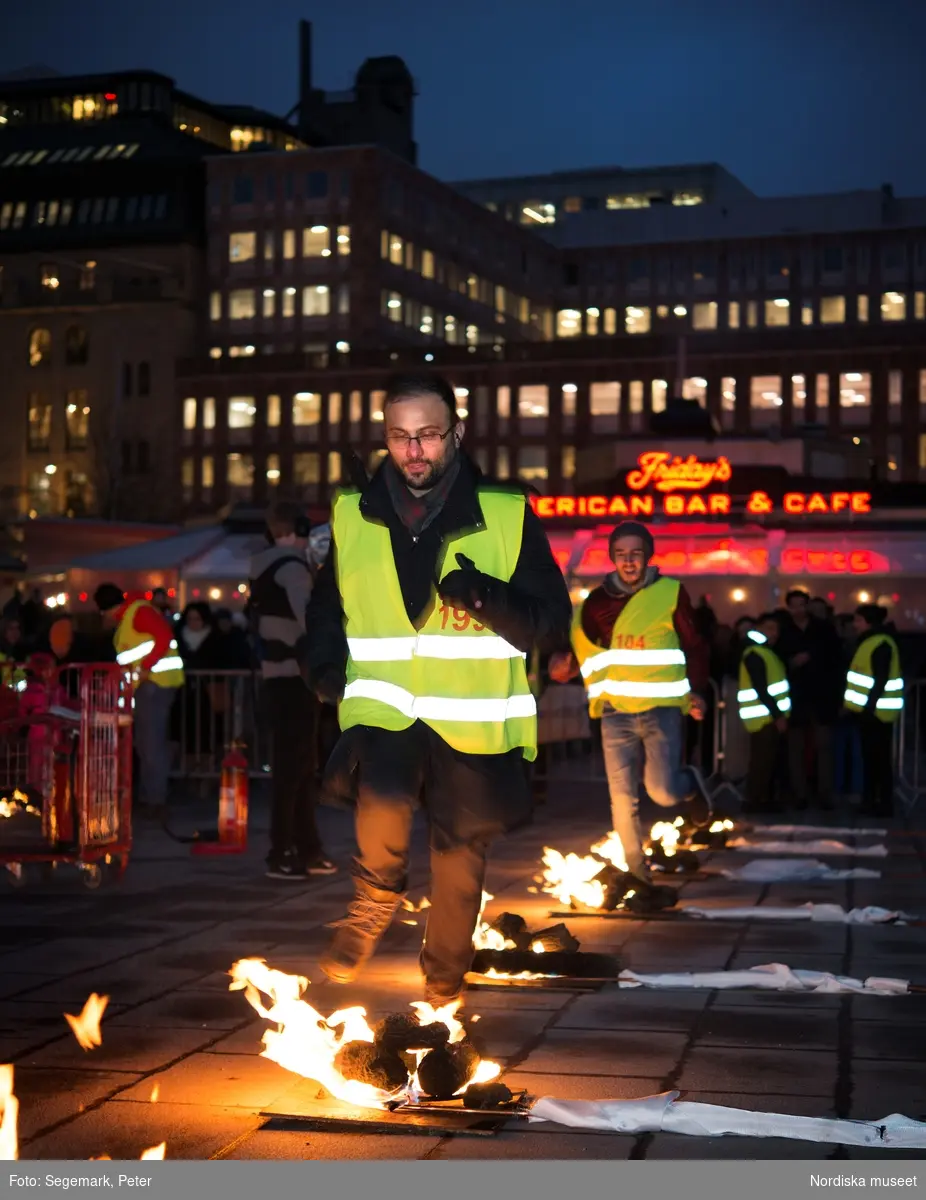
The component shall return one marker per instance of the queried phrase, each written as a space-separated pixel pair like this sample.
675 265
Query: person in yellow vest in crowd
145 646
764 703
436 588
13 654
874 691
644 666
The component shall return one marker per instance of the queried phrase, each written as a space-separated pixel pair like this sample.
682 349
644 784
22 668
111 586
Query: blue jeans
152 743
657 736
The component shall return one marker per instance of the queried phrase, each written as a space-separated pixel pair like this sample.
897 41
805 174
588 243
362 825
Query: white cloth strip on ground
816 846
770 977
795 870
824 913
813 830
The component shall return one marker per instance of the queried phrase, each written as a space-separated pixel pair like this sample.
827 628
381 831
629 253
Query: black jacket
532 609
816 687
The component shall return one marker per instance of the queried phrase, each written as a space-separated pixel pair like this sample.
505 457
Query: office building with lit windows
103 206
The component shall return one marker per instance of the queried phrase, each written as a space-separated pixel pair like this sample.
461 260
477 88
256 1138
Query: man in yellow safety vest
145 646
644 666
874 691
436 588
764 703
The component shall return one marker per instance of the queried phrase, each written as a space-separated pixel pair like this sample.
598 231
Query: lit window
568 462
727 401
704 315
334 467
503 403
208 473
572 204
451 333
307 468
777 312
533 401
637 320
635 201
343 299
240 476
862 309
19 214
39 348
274 409
316 300
855 390
752 314
832 310
660 392
241 304
392 306
289 302
687 198
242 246
273 470
209 412
188 477
502 463
49 276
427 264
269 302
604 399
532 462
307 408
334 409
534 212
38 436
807 312
377 405
798 392
77 419
592 316
343 239
215 351
6 214
410 256
893 306
568 323
189 412
241 412
268 245
499 299
765 392
472 335
610 321
241 351
396 250
315 242
919 306
356 408
289 243
427 320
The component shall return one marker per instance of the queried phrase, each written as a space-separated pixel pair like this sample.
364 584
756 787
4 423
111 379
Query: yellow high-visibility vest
860 681
644 667
132 647
753 713
12 674
454 674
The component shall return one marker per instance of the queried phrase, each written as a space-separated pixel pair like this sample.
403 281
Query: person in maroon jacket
657 733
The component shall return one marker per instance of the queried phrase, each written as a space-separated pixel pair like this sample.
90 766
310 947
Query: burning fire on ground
405 1056
600 880
86 1026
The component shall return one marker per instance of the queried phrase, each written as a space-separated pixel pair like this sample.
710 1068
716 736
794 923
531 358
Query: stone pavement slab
161 946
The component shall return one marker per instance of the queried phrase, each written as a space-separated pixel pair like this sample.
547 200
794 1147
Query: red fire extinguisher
233 807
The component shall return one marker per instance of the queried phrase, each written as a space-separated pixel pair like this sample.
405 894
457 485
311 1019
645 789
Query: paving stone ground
160 945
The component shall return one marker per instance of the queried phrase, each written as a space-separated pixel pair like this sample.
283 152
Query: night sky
790 95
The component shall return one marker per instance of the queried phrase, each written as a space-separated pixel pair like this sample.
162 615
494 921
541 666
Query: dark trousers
821 739
291 715
469 799
762 774
877 740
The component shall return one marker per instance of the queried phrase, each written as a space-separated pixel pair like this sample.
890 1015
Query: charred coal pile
507 950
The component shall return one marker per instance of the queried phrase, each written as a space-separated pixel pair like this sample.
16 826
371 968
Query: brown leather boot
357 934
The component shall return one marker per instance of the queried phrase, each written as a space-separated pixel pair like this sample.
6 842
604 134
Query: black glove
467 588
329 684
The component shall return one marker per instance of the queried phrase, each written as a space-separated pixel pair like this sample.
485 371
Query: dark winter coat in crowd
817 685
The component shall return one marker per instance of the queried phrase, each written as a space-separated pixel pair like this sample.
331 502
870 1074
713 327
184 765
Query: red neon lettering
860 502
839 501
674 506
597 506
641 506
543 506
859 562
697 507
668 474
816 504
720 504
794 502
565 506
617 507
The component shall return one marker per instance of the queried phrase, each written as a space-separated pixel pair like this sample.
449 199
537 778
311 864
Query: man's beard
424 483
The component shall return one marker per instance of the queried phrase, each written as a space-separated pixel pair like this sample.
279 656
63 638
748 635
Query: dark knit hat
632 529
108 596
874 614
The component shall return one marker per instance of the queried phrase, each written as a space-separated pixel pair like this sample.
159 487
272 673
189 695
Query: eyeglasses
430 437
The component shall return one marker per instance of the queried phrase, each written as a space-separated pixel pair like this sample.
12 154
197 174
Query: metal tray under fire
430 1116
557 970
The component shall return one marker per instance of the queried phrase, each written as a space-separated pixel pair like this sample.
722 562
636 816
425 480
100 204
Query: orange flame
159 1151
9 1117
86 1027
155 1093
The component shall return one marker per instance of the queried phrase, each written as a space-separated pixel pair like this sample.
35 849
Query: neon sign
710 504
671 473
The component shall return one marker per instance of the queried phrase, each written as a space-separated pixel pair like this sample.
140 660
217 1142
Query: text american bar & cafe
742 536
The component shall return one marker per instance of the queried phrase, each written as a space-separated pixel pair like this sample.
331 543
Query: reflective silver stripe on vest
632 658
894 702
894 685
174 663
632 687
431 645
863 681
135 654
756 710
441 708
852 697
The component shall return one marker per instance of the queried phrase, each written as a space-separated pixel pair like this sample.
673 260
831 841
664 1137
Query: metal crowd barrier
215 708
